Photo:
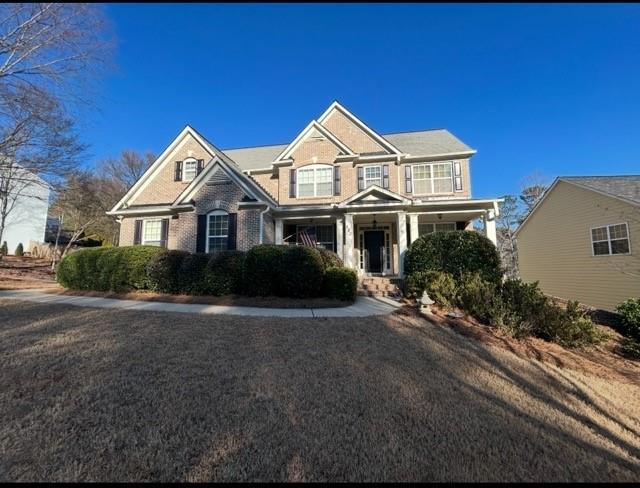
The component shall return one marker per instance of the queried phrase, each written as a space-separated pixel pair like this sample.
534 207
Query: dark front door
373 243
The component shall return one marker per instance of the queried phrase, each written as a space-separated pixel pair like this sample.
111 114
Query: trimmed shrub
330 259
526 308
162 271
191 274
440 286
107 268
570 327
630 348
340 283
629 311
481 299
456 253
263 269
4 250
301 272
223 273
19 250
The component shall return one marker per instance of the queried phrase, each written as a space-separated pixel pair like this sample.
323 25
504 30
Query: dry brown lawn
26 272
115 395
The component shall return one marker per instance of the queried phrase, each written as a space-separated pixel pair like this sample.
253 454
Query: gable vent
218 178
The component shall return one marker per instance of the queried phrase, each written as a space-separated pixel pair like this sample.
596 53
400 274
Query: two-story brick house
338 184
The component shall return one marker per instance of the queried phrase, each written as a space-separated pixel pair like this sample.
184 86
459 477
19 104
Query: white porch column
279 231
413 227
348 241
489 220
339 238
402 241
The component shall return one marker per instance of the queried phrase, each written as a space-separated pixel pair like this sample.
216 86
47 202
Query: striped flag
307 238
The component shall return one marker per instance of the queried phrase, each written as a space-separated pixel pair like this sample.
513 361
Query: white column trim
489 222
348 241
402 241
413 227
339 238
279 238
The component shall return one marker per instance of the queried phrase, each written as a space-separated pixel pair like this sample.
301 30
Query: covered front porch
373 240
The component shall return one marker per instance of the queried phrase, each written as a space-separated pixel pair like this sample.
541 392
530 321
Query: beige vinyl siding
554 247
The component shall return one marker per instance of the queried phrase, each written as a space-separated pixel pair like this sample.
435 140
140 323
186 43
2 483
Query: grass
26 272
90 395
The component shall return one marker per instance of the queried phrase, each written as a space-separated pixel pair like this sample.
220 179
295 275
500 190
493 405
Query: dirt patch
603 361
26 272
228 300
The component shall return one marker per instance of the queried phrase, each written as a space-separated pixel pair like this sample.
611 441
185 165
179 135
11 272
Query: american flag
307 238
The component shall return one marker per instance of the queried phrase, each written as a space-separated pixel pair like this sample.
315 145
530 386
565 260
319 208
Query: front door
374 246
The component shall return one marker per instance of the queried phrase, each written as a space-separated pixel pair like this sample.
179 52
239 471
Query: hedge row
287 271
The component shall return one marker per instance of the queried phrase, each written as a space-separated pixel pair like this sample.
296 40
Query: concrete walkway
363 307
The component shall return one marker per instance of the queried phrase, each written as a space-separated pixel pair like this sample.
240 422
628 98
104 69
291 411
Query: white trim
189 160
304 133
143 241
314 168
608 240
146 210
375 188
373 134
217 211
364 174
410 158
386 261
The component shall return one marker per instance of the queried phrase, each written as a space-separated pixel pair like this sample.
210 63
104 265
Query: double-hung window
319 235
190 170
315 181
610 239
429 228
217 231
432 178
372 176
152 232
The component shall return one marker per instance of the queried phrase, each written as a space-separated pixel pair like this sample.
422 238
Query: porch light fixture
439 216
375 222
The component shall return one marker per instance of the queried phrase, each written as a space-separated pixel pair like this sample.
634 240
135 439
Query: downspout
262 224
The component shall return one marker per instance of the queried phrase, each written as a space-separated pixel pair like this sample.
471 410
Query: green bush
301 272
19 250
340 283
4 250
262 270
630 347
224 272
526 309
570 327
455 252
191 274
163 271
441 287
107 268
330 259
629 311
480 299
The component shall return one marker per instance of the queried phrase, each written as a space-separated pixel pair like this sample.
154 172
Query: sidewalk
363 307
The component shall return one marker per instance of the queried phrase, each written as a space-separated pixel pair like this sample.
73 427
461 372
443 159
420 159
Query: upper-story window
432 178
217 231
372 176
315 181
189 169
610 239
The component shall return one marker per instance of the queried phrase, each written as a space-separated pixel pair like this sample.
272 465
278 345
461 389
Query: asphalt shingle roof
627 186
419 143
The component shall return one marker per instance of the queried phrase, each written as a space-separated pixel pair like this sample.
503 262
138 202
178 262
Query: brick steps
380 286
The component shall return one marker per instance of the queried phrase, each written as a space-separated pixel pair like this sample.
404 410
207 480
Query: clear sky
549 88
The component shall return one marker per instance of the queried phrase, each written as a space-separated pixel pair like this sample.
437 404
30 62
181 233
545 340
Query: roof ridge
599 176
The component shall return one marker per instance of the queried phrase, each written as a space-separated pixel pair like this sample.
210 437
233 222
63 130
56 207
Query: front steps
380 286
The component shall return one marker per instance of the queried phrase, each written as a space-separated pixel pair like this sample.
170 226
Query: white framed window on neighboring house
372 176
152 232
189 169
315 181
432 178
610 239
429 228
217 231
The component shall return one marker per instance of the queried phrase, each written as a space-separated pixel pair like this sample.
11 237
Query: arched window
190 169
217 231
315 180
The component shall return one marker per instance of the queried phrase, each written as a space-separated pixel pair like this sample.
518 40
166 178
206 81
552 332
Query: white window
372 176
434 178
189 170
315 181
217 231
429 228
318 235
610 239
152 232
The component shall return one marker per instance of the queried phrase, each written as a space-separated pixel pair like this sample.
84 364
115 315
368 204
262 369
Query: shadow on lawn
120 395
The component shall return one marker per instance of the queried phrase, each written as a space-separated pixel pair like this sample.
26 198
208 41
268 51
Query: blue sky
548 88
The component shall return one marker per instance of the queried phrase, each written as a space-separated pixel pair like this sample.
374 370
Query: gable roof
313 125
378 194
622 187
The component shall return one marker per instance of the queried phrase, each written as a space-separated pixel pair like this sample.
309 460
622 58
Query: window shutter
201 234
292 183
232 233
336 180
385 176
200 166
164 236
178 173
407 180
457 176
137 233
360 178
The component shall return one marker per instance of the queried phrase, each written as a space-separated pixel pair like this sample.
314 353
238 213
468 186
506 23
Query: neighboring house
581 241
338 184
29 203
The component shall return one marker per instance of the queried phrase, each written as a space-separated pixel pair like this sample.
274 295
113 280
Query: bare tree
507 223
127 169
532 187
